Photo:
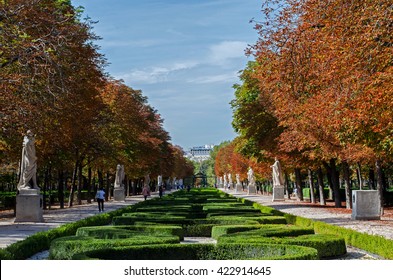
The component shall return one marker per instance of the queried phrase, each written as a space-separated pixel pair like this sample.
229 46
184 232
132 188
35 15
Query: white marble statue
250 176
28 164
278 178
238 179
225 181
230 182
159 180
147 181
119 176
238 186
168 183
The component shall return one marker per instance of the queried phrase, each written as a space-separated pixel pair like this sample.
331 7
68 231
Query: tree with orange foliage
320 83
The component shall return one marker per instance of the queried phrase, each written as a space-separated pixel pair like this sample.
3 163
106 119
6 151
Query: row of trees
52 81
319 93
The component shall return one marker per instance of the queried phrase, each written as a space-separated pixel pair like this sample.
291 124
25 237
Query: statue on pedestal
278 178
28 199
238 179
230 183
278 181
119 176
147 181
251 182
159 180
251 177
28 164
238 183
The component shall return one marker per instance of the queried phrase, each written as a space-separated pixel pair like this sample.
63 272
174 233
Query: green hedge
327 245
203 252
198 230
218 226
41 241
112 232
262 230
65 247
260 219
131 218
219 230
371 243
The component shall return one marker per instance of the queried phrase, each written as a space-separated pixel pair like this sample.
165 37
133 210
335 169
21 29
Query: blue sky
184 55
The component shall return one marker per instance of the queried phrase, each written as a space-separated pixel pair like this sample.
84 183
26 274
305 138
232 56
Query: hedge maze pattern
154 229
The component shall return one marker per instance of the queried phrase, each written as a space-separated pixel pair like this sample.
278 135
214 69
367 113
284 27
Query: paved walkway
11 232
328 214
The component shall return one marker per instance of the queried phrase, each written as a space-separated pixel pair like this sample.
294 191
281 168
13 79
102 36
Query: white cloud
223 52
217 57
220 78
156 74
143 43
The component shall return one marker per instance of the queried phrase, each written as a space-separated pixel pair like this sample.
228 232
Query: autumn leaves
52 81
319 90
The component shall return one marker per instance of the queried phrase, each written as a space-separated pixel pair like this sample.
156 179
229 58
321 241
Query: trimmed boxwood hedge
203 252
112 232
260 219
326 245
40 241
261 230
65 247
371 243
177 209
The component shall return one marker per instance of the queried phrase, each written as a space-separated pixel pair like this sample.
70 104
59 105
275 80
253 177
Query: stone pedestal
278 193
29 206
119 194
366 205
252 189
239 188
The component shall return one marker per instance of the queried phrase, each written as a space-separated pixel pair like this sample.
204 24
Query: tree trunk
311 182
359 175
371 179
89 186
60 188
379 174
107 187
287 185
329 179
94 187
100 179
130 187
335 180
347 183
73 185
45 189
80 184
133 187
321 187
298 182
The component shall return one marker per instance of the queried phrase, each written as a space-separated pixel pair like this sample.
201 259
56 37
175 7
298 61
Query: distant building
199 153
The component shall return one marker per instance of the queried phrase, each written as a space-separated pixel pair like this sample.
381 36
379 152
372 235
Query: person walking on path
160 191
145 192
100 196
